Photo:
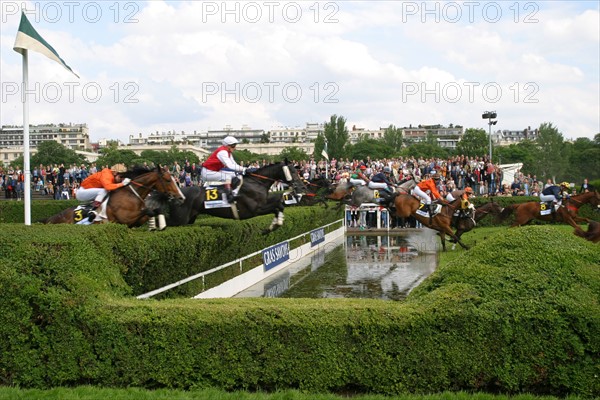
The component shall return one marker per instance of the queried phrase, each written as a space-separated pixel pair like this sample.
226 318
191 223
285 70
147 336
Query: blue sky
185 66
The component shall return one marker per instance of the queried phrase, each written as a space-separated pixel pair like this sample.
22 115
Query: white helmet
229 140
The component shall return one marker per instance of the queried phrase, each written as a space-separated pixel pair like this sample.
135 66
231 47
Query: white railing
203 274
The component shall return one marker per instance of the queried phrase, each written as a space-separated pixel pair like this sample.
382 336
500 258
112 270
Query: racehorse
407 205
575 202
464 225
363 194
527 212
253 198
126 204
593 232
341 193
316 190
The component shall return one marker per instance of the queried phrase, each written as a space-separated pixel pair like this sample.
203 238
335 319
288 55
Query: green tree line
549 155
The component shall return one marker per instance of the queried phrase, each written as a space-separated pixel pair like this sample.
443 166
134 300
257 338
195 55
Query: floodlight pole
489 115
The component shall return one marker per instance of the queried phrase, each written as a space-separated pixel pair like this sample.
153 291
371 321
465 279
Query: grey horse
363 194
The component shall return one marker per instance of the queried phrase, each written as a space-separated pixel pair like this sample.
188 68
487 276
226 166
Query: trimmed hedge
518 313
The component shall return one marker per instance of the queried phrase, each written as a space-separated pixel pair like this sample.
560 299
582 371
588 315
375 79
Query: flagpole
26 167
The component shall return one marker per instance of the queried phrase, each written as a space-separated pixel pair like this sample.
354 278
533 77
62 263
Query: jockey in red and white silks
220 165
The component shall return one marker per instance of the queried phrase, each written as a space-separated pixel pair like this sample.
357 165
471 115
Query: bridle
160 180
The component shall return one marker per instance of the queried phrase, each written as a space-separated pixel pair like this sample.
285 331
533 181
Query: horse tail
507 211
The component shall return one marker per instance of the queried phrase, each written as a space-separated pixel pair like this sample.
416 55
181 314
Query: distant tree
392 137
264 138
154 157
111 156
551 160
51 152
473 143
584 160
246 157
336 134
424 149
522 152
376 149
293 154
319 146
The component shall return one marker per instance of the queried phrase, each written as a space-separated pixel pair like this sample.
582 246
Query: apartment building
72 136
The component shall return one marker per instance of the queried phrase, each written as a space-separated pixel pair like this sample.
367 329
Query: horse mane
136 171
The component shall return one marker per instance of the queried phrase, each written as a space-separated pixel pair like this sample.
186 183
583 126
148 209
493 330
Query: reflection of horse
363 194
253 199
574 202
126 204
527 212
464 225
407 205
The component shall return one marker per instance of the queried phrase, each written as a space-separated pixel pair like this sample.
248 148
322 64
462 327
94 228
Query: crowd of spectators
485 178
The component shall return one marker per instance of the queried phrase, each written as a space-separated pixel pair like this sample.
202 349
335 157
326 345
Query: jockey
431 185
220 166
381 181
96 187
554 194
465 205
358 177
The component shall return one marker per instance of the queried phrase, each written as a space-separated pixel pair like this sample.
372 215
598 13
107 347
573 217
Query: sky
204 65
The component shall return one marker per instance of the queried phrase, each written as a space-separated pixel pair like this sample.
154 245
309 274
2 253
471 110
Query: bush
518 313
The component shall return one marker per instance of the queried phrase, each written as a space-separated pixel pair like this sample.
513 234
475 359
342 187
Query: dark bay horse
406 205
126 204
464 225
253 199
316 191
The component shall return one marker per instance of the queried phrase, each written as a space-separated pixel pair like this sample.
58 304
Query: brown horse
593 232
464 225
575 202
407 205
126 204
527 212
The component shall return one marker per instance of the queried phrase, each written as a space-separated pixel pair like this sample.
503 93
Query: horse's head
163 182
595 200
292 177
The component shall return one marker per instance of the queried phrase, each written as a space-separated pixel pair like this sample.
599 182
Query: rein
141 185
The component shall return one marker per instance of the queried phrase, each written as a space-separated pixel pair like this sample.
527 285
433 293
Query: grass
92 393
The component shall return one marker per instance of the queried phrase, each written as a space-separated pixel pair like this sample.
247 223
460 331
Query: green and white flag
29 39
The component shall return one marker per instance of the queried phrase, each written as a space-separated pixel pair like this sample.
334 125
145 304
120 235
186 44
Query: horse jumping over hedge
253 198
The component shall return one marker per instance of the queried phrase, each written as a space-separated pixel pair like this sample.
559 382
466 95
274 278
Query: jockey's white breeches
377 185
96 194
357 182
217 176
426 198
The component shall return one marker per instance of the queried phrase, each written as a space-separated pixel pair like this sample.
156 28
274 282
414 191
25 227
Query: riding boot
228 192
93 213
432 208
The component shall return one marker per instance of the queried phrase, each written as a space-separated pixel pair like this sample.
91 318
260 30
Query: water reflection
375 266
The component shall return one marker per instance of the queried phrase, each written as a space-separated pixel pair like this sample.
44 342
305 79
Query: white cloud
366 55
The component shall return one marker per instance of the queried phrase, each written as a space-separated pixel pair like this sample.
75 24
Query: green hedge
517 313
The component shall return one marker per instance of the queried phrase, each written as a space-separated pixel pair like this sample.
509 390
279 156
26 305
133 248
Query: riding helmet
387 169
565 184
229 140
468 190
118 168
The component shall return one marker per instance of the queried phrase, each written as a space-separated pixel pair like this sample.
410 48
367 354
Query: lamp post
489 115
